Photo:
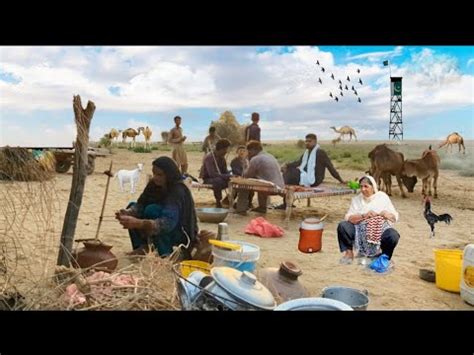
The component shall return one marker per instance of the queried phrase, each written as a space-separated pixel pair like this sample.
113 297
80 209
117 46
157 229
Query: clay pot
283 282
95 252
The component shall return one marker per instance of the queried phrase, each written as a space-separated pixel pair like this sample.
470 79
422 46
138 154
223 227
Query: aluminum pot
357 299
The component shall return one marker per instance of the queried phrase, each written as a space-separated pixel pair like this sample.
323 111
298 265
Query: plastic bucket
448 266
244 259
311 232
188 266
467 282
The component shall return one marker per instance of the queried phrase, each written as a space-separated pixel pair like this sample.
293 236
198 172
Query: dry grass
30 229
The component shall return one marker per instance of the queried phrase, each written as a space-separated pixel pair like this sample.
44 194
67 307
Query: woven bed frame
289 192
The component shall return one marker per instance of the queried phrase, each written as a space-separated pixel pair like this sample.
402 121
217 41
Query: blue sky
138 86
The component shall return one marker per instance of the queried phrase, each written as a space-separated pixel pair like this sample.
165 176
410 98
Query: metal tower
396 123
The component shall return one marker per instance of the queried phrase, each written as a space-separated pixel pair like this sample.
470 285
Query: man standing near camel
177 139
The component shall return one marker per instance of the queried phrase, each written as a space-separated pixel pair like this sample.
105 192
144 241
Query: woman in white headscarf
367 227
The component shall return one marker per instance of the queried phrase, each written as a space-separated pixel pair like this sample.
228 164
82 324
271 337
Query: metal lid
244 286
313 304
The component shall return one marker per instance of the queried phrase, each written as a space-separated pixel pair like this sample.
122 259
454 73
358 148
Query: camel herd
114 134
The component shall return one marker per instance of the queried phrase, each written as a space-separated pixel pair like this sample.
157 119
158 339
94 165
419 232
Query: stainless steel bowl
212 215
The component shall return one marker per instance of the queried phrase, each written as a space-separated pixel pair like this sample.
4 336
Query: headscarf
373 183
170 168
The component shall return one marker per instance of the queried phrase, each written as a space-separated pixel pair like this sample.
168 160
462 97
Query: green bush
300 144
140 150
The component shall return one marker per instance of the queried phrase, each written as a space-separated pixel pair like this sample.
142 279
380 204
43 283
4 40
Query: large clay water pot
95 252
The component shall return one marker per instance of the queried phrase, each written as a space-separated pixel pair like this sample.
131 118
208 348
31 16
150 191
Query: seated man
238 165
214 169
262 166
310 169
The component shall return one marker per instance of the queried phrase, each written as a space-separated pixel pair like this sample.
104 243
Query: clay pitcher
95 252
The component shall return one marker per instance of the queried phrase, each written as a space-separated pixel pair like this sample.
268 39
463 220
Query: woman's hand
129 222
387 215
370 214
123 212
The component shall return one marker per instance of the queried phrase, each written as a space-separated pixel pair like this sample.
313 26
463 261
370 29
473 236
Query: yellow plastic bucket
448 266
188 266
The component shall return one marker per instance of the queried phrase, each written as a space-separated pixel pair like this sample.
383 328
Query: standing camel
113 135
454 138
345 130
130 132
147 134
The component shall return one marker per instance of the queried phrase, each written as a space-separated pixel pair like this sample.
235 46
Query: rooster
432 218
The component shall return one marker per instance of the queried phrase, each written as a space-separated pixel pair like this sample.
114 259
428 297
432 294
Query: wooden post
83 121
109 175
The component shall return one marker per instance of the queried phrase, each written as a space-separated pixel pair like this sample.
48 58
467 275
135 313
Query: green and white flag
396 86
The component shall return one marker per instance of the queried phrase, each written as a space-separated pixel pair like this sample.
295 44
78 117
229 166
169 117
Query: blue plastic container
243 260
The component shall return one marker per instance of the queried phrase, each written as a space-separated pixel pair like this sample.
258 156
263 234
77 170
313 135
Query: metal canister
223 231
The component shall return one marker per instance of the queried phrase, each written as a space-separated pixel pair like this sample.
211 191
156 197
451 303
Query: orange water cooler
311 232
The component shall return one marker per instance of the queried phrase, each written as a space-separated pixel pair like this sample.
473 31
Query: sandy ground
400 289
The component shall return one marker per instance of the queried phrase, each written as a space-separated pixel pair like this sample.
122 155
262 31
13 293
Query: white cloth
378 202
307 177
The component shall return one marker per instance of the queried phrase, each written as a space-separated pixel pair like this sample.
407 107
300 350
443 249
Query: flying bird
360 81
358 70
346 88
342 93
320 81
359 100
340 87
340 82
322 69
432 218
336 99
352 87
332 76
348 79
355 92
317 62
330 94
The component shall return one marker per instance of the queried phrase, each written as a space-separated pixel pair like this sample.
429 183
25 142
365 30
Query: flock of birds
346 84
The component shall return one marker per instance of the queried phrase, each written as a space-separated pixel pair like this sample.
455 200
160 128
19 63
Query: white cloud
470 61
377 56
283 87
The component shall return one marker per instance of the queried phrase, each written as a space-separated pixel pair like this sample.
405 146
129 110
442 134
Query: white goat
130 176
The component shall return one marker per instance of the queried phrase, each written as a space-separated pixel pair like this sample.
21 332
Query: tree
228 127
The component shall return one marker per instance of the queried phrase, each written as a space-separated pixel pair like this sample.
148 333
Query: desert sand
399 290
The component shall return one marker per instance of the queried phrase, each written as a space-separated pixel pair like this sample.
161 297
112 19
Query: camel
336 140
165 137
147 134
454 138
130 132
345 130
113 135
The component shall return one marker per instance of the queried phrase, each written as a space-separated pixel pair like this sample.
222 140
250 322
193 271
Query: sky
134 86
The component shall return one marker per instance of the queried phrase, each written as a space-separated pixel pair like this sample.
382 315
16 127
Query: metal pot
357 299
239 290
